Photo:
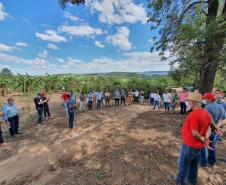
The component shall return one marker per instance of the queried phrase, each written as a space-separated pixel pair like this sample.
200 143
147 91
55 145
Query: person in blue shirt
11 116
217 114
1 137
71 106
99 99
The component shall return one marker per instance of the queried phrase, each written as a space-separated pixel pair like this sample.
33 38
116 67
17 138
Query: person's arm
222 123
197 136
5 114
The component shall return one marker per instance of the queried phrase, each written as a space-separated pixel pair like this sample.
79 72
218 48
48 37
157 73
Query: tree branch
224 10
188 8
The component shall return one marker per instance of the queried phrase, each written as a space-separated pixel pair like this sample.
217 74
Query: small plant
100 175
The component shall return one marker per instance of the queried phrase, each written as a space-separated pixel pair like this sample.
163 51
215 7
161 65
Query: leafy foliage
195 32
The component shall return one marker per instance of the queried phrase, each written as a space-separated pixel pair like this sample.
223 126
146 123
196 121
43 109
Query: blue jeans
209 156
71 115
166 105
14 125
188 165
157 103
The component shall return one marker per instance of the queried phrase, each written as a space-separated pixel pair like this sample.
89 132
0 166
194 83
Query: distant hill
155 73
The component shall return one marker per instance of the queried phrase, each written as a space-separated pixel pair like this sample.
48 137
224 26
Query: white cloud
6 48
70 16
21 44
51 36
43 54
120 39
118 11
131 62
81 31
99 44
14 59
3 14
52 46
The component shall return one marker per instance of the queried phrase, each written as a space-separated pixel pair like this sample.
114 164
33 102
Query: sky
38 37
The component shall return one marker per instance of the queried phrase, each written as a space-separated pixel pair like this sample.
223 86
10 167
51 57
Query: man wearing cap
195 136
217 114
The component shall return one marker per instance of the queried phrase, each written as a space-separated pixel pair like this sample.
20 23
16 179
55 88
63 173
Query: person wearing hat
195 136
71 106
39 104
217 114
45 105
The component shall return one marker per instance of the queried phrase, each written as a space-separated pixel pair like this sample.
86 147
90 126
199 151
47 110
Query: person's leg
159 104
11 126
193 171
204 157
71 119
185 107
165 105
40 114
80 107
48 111
183 165
124 101
16 125
168 106
181 107
155 102
45 111
212 153
1 137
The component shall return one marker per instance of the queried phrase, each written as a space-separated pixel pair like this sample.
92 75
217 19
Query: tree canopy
194 31
6 72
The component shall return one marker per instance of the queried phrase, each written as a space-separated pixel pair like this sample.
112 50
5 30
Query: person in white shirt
157 100
166 99
136 96
152 98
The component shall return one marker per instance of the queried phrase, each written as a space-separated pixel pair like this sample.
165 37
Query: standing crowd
201 131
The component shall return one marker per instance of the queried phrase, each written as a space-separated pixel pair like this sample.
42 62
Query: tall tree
195 32
6 72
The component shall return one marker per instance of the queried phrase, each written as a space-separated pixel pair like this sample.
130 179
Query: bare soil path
129 145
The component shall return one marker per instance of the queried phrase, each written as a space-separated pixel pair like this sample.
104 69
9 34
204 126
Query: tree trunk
209 64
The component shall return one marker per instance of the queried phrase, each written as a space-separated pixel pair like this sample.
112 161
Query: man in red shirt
65 97
195 136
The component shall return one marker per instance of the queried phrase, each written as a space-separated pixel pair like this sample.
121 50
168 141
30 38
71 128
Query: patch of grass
99 175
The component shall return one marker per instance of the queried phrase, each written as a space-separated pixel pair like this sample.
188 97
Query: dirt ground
130 145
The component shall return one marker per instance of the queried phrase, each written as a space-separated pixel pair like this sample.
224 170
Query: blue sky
38 37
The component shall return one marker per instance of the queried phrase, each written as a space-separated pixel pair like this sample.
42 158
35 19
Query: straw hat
194 96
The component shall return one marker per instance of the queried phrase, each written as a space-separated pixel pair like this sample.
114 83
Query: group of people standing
201 132
169 100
